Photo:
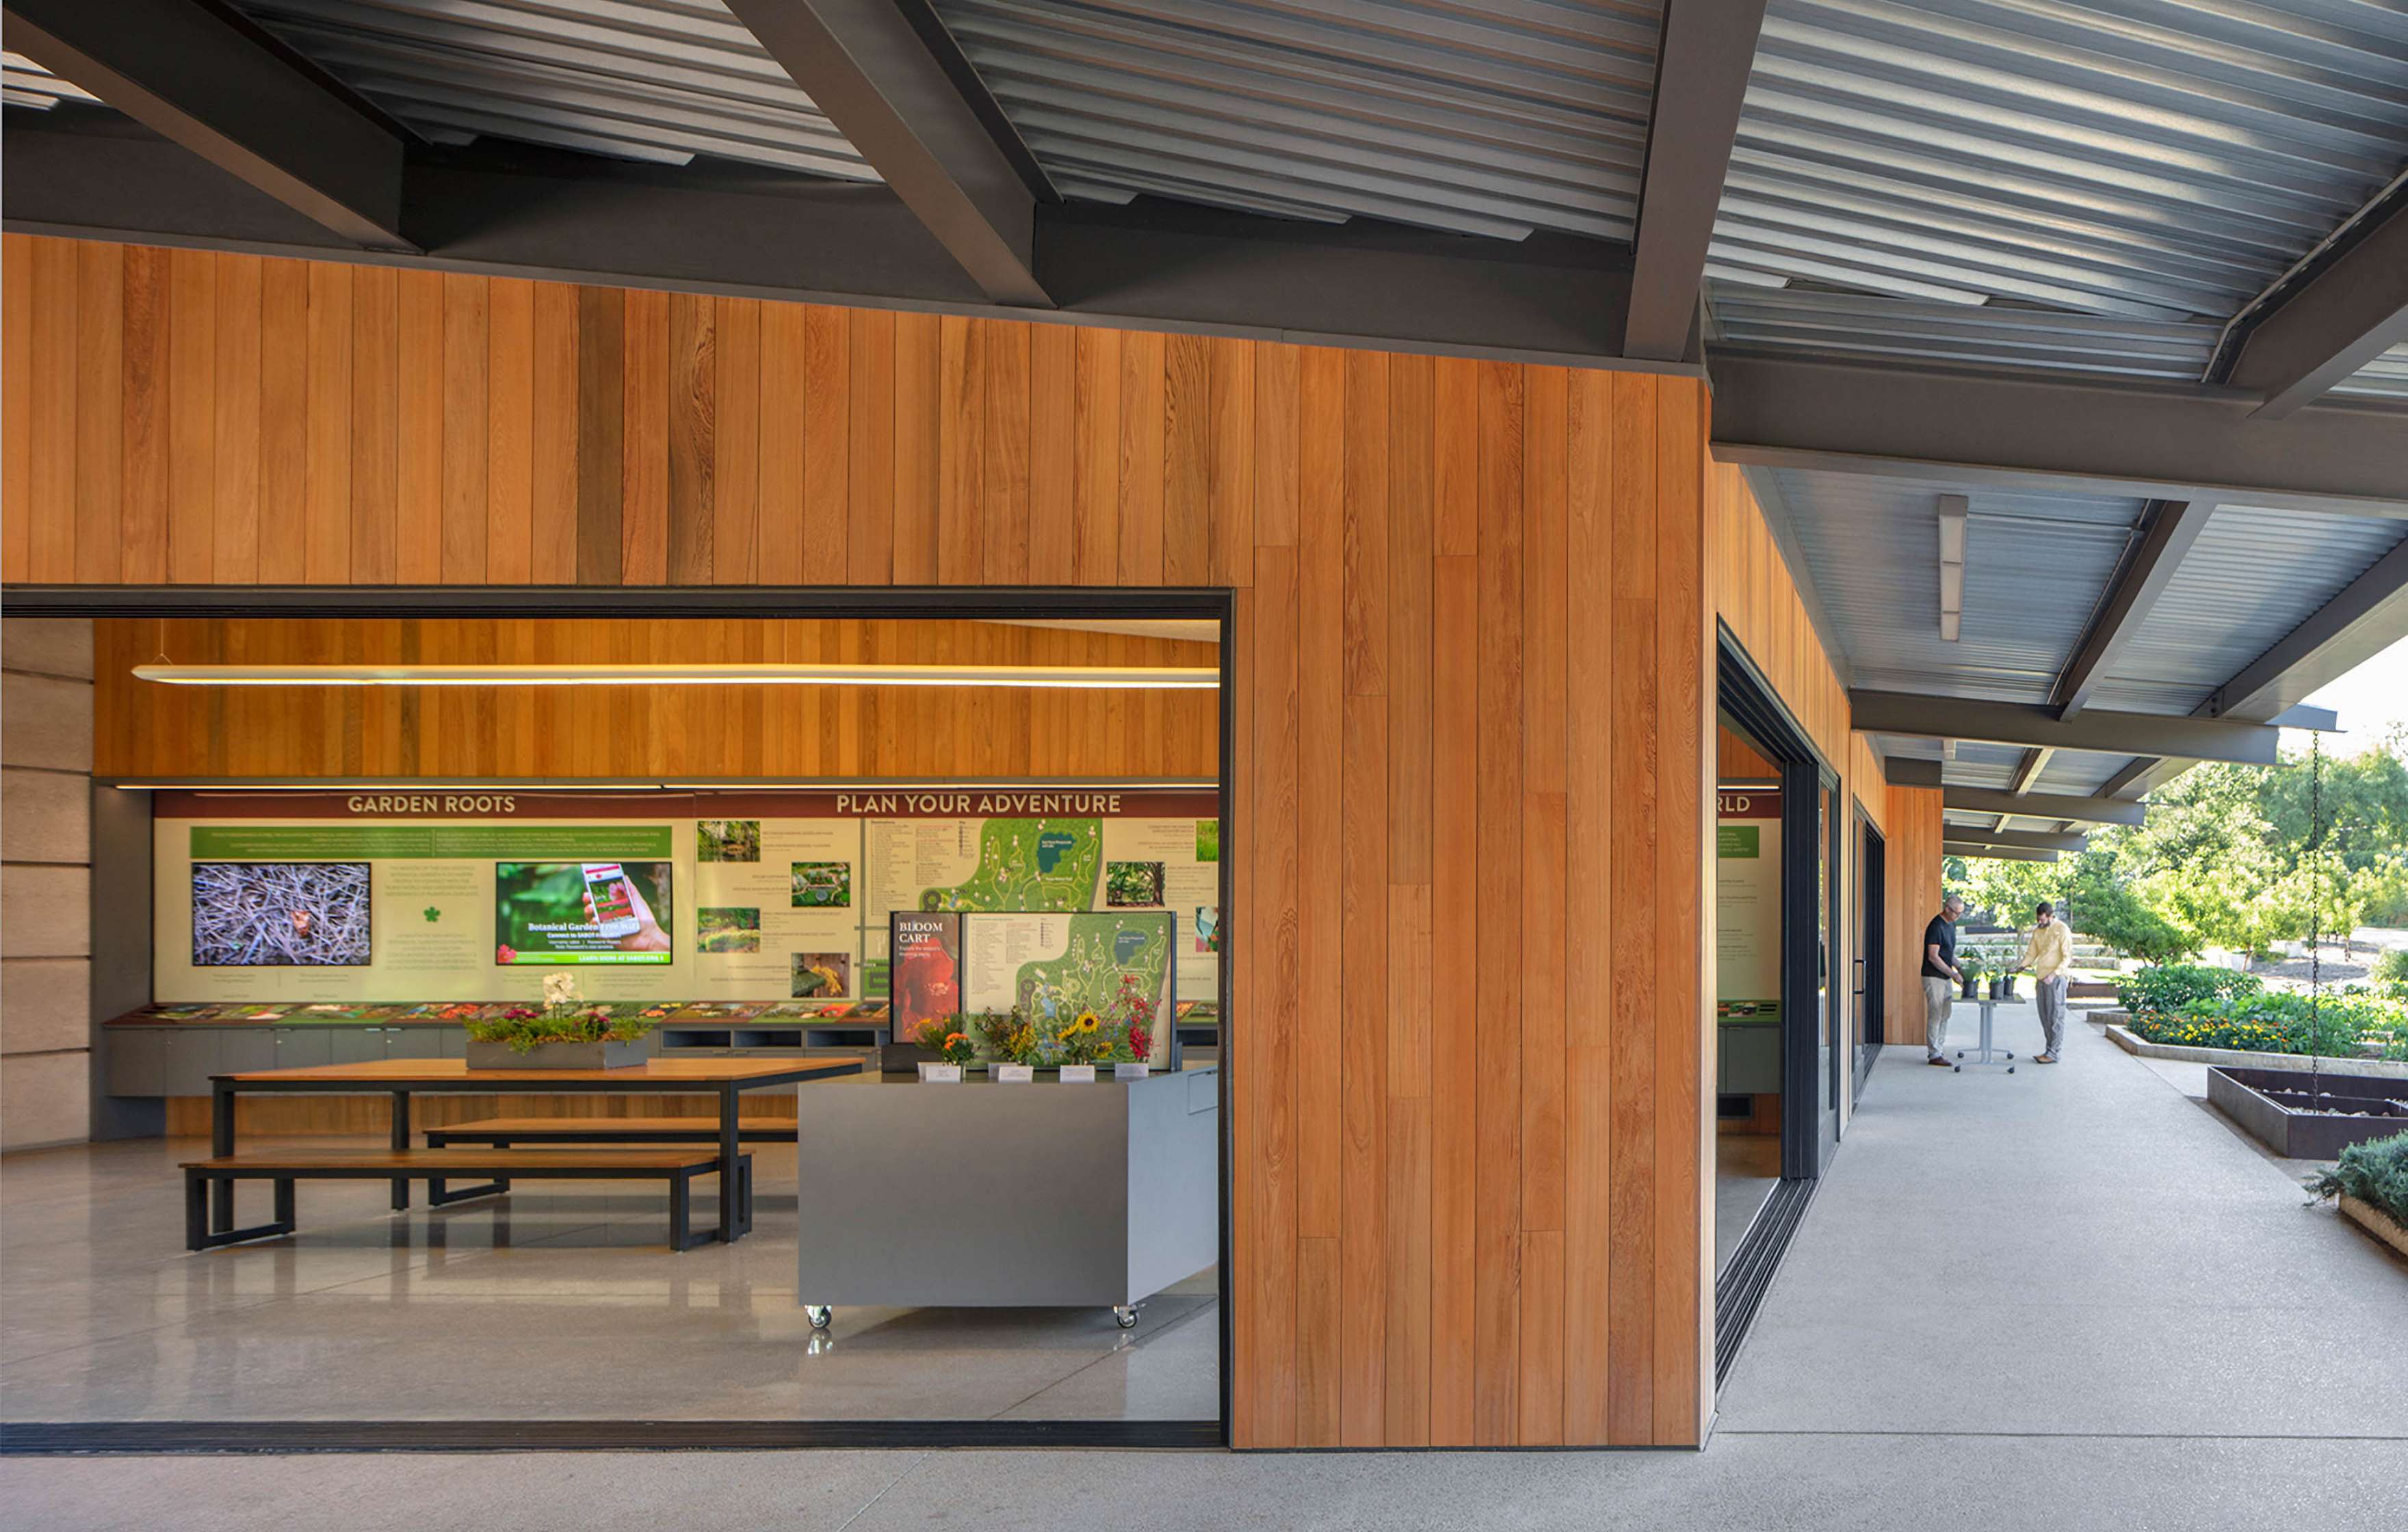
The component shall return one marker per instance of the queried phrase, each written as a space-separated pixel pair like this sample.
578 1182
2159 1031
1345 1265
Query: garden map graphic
1088 975
1037 864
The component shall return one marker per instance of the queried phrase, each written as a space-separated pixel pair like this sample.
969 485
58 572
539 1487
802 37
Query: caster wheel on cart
1959 1070
2011 1068
1124 1315
820 1314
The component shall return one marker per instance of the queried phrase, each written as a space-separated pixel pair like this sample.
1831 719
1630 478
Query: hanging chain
2315 910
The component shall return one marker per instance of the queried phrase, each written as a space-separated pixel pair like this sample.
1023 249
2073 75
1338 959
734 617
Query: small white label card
941 1074
1078 1073
1129 1071
1014 1074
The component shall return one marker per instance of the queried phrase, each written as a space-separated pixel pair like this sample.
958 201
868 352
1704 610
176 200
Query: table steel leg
730 1226
400 1145
221 1145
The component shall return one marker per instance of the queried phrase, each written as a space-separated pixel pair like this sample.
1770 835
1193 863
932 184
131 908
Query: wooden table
725 1078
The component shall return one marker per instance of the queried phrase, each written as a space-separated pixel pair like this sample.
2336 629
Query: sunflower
1087 1022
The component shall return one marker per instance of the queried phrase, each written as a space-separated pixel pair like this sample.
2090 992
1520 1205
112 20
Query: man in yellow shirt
2048 954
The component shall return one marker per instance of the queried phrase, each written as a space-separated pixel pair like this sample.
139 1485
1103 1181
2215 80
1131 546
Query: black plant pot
1971 980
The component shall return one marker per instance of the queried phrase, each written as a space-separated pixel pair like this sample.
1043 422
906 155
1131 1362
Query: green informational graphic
820 885
1738 840
1037 864
1207 841
437 842
1087 977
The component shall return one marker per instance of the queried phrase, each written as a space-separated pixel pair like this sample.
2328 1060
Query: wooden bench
501 1132
284 1167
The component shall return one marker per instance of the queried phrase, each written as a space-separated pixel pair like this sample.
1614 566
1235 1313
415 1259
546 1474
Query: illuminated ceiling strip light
1086 677
1952 565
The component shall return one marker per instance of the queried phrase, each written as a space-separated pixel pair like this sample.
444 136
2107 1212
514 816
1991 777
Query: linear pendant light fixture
1952 565
1089 678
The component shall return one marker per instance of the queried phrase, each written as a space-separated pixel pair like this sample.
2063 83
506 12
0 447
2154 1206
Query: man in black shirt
1939 976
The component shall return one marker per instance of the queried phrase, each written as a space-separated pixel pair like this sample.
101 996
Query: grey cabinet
351 1044
243 1049
162 1060
192 1058
417 1042
303 1047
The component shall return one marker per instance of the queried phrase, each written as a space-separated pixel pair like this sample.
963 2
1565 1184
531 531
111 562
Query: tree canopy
2230 856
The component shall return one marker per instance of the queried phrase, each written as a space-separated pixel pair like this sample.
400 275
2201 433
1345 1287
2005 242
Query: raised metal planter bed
2279 1110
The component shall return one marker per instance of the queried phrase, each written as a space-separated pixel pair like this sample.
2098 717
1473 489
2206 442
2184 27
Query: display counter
173 1050
986 1195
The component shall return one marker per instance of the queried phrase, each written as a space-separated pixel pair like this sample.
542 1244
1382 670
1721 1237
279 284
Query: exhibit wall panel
661 733
1470 765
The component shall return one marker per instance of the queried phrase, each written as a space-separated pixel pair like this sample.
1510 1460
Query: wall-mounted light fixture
1088 678
1952 565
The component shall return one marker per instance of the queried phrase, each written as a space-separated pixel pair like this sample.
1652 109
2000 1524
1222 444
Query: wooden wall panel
142 729
1473 605
1912 869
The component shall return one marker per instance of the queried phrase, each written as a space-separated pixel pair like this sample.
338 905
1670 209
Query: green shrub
2164 987
525 1028
2375 1173
2334 1027
2392 966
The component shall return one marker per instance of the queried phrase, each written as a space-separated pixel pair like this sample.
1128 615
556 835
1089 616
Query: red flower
505 954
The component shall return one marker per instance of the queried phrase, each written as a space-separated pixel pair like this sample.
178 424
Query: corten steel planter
2274 1105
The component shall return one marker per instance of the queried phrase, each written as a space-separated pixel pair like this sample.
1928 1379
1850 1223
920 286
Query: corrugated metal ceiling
2150 159
1492 117
658 80
2036 567
25 83
1881 329
2384 378
2254 575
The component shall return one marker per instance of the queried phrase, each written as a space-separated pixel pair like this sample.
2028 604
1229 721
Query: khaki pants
1939 998
2051 998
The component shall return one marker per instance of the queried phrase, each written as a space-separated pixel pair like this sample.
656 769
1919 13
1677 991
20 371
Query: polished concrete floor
2062 1300
562 1303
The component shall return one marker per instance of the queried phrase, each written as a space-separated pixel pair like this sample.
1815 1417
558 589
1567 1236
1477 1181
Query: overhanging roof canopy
2123 278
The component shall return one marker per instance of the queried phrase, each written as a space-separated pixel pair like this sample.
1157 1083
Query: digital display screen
280 914
565 913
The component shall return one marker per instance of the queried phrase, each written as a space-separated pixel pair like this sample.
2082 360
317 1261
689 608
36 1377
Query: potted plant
943 1037
1082 1041
1970 967
559 1035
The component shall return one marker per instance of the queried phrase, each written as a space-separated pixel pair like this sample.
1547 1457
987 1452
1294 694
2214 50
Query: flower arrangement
1011 1036
943 1037
1083 1040
524 1028
1132 1021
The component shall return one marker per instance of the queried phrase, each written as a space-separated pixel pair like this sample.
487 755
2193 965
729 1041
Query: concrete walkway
2067 1299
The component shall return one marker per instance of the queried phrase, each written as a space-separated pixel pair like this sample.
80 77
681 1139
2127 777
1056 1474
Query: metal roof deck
1494 118
654 80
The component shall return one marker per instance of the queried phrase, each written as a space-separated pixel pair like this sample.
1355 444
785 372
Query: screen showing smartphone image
614 909
582 912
